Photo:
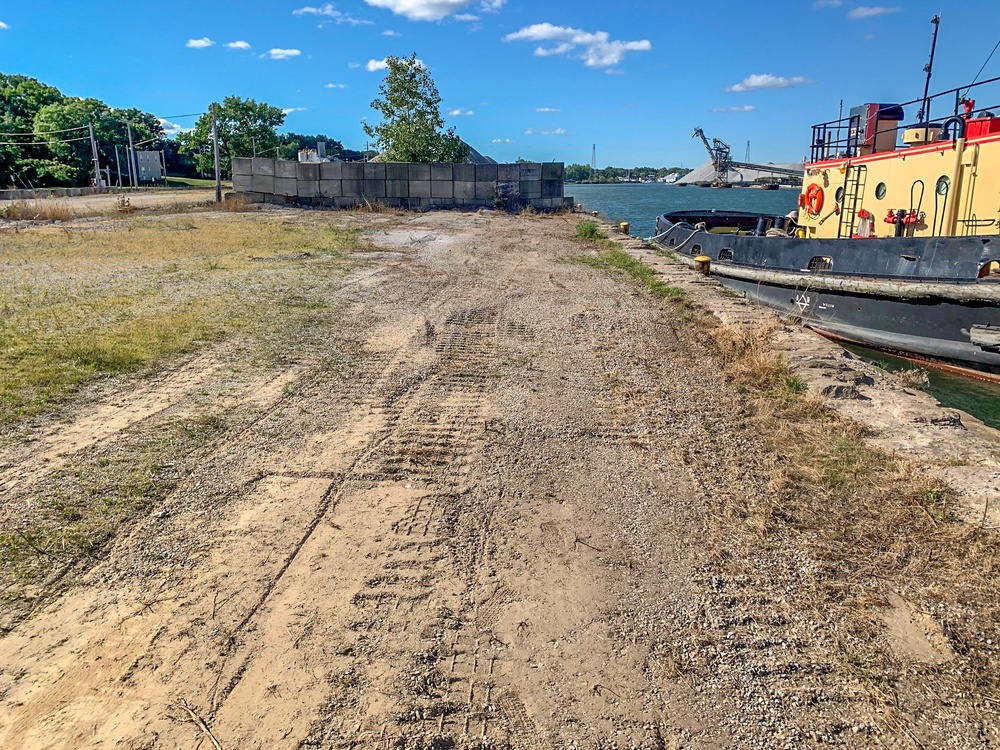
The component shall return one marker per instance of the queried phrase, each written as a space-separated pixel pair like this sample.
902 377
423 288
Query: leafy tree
412 128
245 127
20 99
110 129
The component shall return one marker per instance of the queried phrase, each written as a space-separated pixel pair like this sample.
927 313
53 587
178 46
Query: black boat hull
952 315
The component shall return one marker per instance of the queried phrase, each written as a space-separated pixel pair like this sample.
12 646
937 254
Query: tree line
584 173
45 139
45 135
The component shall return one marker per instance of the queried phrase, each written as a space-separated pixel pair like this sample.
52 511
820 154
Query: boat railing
840 139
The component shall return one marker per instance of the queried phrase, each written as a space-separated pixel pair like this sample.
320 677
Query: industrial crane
722 160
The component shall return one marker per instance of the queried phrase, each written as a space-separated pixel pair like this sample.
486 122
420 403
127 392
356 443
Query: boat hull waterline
918 297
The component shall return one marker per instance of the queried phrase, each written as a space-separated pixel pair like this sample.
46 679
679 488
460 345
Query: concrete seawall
401 185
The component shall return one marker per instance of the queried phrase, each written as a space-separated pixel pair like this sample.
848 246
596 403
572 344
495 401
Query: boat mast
925 106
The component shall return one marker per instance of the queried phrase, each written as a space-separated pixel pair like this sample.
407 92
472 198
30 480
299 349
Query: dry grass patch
81 304
37 210
873 522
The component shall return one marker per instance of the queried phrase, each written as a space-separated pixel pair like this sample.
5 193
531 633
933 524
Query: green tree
245 128
20 99
292 142
110 129
412 128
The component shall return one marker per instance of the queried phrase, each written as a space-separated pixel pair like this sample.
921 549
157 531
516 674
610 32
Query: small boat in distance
896 241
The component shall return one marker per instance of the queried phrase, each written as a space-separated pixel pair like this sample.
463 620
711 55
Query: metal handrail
821 148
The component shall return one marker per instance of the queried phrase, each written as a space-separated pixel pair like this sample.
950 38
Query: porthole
672 242
696 250
839 195
725 254
880 190
821 263
943 186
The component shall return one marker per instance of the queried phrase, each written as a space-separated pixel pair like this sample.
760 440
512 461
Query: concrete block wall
413 186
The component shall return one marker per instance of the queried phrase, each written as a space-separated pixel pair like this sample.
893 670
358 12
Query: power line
48 132
983 68
43 143
181 117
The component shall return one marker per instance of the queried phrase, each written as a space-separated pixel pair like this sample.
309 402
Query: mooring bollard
703 264
625 226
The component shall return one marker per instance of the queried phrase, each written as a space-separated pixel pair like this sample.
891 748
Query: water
640 204
977 397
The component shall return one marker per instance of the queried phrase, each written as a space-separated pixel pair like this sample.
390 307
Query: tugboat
896 242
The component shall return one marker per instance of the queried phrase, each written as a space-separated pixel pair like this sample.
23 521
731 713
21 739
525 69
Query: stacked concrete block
307 179
263 176
414 186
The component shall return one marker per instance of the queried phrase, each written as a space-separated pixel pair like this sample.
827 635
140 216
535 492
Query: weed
590 230
611 257
123 205
37 210
236 204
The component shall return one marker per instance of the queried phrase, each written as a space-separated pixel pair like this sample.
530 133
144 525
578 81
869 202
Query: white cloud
290 110
615 72
828 3
547 109
390 32
435 10
461 113
766 81
599 50
282 54
744 108
329 11
199 43
373 66
335 86
238 45
467 17
529 131
3 25
870 12
353 66
556 131
172 128
502 140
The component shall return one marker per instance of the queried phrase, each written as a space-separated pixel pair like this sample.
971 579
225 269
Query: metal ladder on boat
854 189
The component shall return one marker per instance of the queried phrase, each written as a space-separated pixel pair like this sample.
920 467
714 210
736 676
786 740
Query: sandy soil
493 526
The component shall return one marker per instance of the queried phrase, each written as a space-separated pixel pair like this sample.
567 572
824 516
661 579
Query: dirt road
493 515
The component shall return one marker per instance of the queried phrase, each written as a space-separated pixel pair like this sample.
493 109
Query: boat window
821 263
943 185
880 191
696 250
673 241
839 195
725 254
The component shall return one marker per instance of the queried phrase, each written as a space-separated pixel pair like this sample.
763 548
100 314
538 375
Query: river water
640 204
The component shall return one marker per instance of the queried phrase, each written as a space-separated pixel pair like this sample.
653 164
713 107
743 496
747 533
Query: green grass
611 257
195 182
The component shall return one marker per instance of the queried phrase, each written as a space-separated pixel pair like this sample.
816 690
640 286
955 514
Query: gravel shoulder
498 499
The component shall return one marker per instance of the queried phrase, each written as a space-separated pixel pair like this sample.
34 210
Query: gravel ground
504 500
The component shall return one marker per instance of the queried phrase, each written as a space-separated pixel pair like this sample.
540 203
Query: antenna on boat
925 105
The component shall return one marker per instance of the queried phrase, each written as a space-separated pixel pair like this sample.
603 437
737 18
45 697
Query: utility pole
118 166
97 163
215 146
133 167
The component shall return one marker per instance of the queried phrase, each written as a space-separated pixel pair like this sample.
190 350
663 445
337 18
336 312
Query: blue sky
542 81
